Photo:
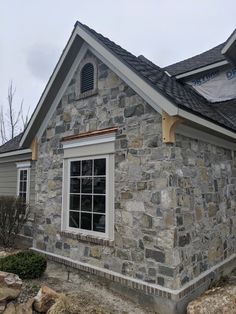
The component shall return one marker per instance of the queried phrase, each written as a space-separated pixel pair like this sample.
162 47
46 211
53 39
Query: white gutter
202 69
206 123
16 152
230 41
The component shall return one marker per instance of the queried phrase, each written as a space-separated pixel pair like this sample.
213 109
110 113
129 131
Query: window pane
86 167
99 223
23 186
99 167
75 168
86 221
21 174
24 175
99 203
86 185
75 185
86 203
23 196
74 220
99 185
74 202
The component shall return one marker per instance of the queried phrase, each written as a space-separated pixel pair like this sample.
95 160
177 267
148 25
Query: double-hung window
88 186
23 180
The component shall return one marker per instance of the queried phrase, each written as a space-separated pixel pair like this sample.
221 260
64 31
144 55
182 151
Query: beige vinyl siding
8 179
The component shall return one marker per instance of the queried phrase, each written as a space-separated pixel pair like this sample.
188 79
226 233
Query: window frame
23 167
90 232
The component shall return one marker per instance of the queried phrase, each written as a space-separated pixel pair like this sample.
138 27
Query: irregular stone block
158 256
45 298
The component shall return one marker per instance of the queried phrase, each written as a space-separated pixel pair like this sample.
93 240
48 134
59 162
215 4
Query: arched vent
87 78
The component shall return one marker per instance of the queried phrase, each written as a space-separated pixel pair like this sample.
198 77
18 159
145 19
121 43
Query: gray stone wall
174 205
205 208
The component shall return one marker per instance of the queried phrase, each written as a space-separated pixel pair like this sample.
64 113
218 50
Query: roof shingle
11 145
183 96
206 58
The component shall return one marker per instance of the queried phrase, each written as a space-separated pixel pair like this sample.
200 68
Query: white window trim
109 156
86 141
23 166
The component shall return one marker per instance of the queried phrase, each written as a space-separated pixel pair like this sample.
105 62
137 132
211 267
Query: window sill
87 94
87 238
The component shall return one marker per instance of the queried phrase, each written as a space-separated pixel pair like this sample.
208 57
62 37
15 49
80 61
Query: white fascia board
99 139
62 89
203 136
202 69
155 99
206 123
47 89
228 44
16 152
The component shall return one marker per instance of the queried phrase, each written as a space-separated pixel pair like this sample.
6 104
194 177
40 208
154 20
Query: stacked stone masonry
174 204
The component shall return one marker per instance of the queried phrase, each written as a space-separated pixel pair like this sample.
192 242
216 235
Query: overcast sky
33 33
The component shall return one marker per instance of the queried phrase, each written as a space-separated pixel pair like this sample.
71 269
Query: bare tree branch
13 120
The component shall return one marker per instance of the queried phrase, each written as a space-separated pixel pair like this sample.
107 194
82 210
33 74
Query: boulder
220 300
45 298
10 309
10 286
22 308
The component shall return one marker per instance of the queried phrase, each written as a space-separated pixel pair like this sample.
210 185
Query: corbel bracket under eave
169 124
34 149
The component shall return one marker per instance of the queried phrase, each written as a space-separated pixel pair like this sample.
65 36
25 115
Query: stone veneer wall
172 203
204 181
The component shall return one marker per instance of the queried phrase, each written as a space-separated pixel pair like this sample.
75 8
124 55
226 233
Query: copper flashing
89 134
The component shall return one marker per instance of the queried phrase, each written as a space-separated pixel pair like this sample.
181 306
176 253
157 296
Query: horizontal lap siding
8 178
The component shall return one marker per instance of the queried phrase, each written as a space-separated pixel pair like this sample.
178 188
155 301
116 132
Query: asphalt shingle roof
11 145
183 96
206 58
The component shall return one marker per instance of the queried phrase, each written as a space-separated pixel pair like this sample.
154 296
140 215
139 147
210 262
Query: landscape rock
45 298
10 286
10 309
220 300
24 308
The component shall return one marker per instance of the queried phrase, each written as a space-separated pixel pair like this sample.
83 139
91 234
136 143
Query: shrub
14 213
26 264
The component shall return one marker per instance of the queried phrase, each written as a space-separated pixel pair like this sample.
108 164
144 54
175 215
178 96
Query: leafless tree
13 120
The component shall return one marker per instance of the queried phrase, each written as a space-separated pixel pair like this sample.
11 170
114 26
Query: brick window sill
87 238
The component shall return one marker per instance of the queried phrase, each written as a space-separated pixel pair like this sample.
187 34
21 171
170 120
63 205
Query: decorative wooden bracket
34 148
169 124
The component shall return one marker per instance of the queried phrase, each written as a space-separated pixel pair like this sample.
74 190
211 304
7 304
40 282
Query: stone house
130 169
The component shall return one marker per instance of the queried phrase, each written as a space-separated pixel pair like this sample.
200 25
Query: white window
23 180
88 184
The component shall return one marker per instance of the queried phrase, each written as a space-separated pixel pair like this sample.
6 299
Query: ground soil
89 295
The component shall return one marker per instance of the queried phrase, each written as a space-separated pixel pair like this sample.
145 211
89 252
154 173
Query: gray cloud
33 35
41 59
